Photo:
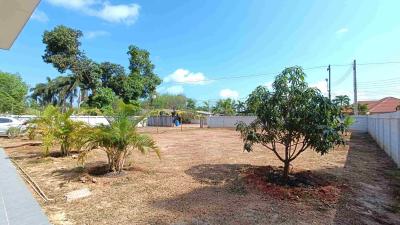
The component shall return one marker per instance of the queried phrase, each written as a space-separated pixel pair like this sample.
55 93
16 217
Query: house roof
383 105
13 16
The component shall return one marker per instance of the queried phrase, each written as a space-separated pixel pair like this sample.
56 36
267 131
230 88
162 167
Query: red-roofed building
385 105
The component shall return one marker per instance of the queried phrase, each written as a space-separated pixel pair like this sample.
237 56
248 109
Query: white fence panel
91 120
385 130
360 124
160 121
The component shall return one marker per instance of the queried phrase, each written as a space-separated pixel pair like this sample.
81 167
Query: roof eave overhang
13 16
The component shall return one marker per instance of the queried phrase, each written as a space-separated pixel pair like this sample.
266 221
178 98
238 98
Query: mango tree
293 116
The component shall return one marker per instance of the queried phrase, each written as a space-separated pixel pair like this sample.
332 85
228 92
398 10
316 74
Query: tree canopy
294 116
140 66
85 76
62 47
225 107
12 93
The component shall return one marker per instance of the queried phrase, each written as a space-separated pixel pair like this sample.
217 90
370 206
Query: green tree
190 104
62 47
103 99
12 93
294 116
343 101
87 76
140 66
205 106
254 100
59 91
225 107
111 75
167 101
119 139
362 109
63 52
240 107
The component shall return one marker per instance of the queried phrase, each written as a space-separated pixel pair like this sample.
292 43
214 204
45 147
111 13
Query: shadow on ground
371 196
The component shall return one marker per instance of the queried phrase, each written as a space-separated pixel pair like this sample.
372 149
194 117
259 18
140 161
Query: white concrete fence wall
91 120
384 129
360 124
228 121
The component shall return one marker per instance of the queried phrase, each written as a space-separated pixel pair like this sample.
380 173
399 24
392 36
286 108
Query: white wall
228 121
385 130
91 120
360 124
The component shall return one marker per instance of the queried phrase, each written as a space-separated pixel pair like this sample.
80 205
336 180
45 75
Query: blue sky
193 42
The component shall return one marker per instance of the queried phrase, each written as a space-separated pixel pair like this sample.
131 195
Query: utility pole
355 87
329 82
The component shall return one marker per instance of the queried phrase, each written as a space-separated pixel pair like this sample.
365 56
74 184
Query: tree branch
273 149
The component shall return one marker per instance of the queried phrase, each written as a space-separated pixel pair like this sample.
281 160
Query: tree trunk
116 162
286 170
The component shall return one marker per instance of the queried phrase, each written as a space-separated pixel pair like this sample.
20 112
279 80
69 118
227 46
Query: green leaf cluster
12 93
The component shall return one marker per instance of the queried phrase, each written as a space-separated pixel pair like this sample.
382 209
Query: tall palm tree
240 106
225 107
342 100
45 93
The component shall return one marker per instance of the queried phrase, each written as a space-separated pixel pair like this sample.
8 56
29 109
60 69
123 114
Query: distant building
385 105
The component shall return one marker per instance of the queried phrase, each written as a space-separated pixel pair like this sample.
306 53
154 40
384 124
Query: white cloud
74 4
228 93
40 16
185 76
175 90
96 34
342 30
120 13
127 14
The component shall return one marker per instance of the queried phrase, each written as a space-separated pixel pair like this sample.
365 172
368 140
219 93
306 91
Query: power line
275 73
378 63
344 77
390 80
381 86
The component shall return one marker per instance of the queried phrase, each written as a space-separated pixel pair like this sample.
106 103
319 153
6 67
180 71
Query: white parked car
8 122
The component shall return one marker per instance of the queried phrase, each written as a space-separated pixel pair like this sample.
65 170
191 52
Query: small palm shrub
14 132
119 139
58 128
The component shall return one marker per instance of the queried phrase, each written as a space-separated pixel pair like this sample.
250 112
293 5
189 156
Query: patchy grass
204 177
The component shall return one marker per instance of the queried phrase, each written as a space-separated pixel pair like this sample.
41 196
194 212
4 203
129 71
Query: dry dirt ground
204 177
